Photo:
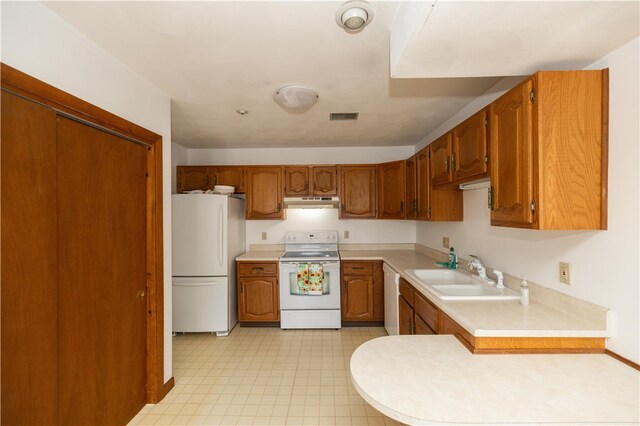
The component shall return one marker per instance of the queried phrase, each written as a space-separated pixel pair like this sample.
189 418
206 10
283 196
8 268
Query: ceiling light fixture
296 97
242 111
354 15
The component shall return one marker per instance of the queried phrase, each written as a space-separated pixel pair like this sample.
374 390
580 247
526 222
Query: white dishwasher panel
391 293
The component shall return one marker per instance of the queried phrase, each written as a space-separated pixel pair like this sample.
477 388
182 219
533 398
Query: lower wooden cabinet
405 317
258 292
417 315
362 295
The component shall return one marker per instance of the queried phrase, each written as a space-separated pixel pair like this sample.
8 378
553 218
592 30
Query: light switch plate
346 235
264 236
445 242
565 273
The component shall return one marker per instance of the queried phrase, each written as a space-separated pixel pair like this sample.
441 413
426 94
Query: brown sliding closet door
29 263
102 276
74 270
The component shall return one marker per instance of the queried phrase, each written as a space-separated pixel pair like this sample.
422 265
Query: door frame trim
36 90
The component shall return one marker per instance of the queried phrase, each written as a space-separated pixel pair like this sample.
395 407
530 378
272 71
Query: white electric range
317 306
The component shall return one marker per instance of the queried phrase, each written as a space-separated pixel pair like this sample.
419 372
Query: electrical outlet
264 236
565 273
346 235
445 242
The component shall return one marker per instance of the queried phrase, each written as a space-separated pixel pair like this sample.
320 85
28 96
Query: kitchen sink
449 284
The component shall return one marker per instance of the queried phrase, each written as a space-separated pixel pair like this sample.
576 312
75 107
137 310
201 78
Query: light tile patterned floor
265 376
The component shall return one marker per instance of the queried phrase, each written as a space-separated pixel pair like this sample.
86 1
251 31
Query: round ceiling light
296 97
354 15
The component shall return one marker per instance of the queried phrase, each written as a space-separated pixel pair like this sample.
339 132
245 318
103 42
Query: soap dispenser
524 292
453 259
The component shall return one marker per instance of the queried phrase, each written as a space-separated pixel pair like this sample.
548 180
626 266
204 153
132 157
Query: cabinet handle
256 269
401 206
241 287
490 197
207 180
446 163
357 267
453 161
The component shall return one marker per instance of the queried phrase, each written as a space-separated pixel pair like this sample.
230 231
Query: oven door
292 298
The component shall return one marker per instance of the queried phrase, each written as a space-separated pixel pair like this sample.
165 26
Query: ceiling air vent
342 116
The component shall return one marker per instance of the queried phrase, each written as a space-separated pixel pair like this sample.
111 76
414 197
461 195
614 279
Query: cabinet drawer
406 291
426 310
357 268
257 269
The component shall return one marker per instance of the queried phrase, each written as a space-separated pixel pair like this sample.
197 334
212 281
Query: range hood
311 202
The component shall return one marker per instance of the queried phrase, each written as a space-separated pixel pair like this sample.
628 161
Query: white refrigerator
208 233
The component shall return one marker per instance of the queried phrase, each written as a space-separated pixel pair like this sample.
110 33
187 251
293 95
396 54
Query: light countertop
261 255
430 379
480 318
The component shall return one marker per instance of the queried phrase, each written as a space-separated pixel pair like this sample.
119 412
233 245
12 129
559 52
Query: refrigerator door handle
220 224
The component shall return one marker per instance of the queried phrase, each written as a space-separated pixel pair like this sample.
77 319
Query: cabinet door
296 181
378 291
469 156
440 163
410 188
231 175
422 327
264 193
324 180
423 188
391 190
357 301
405 317
510 120
189 178
258 299
358 192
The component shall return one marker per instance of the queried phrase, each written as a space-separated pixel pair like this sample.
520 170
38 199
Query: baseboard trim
623 359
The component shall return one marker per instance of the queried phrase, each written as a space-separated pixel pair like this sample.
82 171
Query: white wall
41 44
605 264
346 155
360 231
179 157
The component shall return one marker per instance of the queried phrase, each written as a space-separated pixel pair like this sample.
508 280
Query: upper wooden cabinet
411 196
206 177
300 181
549 152
357 191
461 155
391 190
296 181
189 178
423 186
230 175
440 161
324 180
437 204
264 193
469 156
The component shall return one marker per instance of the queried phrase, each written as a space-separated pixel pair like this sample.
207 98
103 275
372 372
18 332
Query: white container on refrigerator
208 233
391 293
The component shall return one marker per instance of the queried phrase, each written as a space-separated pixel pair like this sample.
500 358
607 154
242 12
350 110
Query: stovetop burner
311 246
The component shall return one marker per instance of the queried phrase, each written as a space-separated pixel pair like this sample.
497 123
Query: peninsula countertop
431 379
